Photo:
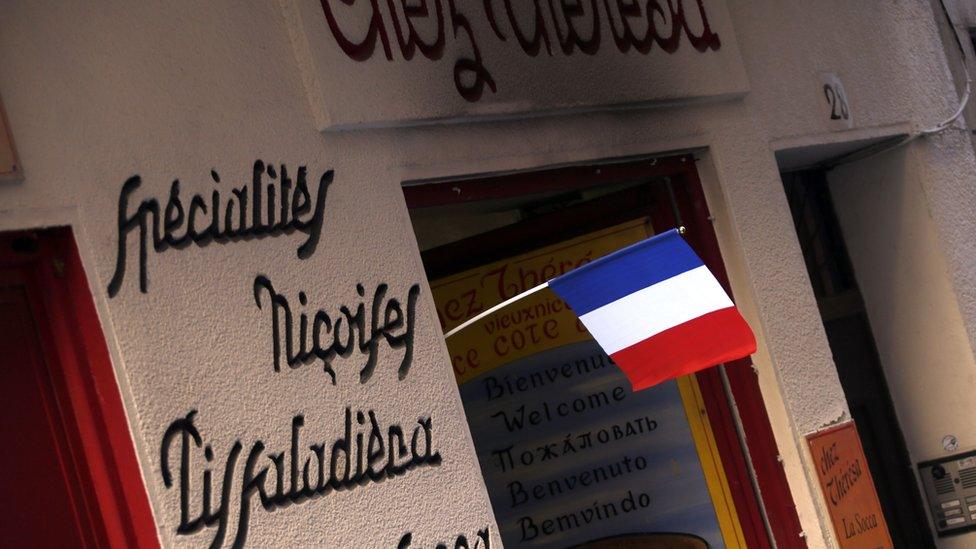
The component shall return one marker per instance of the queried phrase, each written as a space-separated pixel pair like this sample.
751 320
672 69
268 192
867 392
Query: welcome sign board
570 454
373 63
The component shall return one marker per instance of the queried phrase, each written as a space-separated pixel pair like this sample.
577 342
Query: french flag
656 310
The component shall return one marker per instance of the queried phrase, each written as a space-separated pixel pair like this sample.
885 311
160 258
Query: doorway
466 224
70 477
859 368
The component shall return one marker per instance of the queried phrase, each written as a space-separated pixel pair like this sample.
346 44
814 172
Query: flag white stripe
652 310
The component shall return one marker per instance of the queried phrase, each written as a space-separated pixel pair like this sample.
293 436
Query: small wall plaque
848 488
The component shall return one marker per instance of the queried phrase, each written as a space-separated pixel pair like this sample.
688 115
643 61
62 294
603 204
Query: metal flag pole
490 310
509 301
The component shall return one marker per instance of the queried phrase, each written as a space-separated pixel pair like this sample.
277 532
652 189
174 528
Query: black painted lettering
178 226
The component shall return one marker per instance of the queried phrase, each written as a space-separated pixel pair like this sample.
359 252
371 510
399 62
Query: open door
859 366
521 229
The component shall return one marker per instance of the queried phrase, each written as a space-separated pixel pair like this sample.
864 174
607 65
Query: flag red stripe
711 339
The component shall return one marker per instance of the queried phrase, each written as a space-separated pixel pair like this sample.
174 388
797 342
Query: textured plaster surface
172 90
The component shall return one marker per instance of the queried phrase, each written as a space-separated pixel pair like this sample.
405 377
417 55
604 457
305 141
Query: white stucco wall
99 93
96 94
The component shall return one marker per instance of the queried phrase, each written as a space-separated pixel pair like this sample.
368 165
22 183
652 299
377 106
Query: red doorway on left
69 476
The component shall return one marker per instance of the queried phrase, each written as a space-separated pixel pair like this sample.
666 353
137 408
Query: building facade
266 205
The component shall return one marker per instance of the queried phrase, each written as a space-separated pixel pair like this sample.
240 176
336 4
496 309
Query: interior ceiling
511 203
828 154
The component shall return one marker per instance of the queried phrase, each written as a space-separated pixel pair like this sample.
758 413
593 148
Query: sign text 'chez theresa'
396 63
848 488
364 450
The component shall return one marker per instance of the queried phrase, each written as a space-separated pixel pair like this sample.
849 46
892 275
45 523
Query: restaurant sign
848 488
373 63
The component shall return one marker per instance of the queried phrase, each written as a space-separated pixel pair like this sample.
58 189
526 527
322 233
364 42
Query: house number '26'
837 102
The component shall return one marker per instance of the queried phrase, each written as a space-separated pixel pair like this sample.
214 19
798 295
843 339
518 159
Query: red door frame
689 204
47 264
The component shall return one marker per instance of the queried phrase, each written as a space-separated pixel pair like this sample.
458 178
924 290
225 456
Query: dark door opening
41 484
68 472
856 357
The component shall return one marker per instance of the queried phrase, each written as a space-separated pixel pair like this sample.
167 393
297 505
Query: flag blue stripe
625 271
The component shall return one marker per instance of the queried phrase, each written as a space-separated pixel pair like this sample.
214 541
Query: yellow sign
848 488
535 324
